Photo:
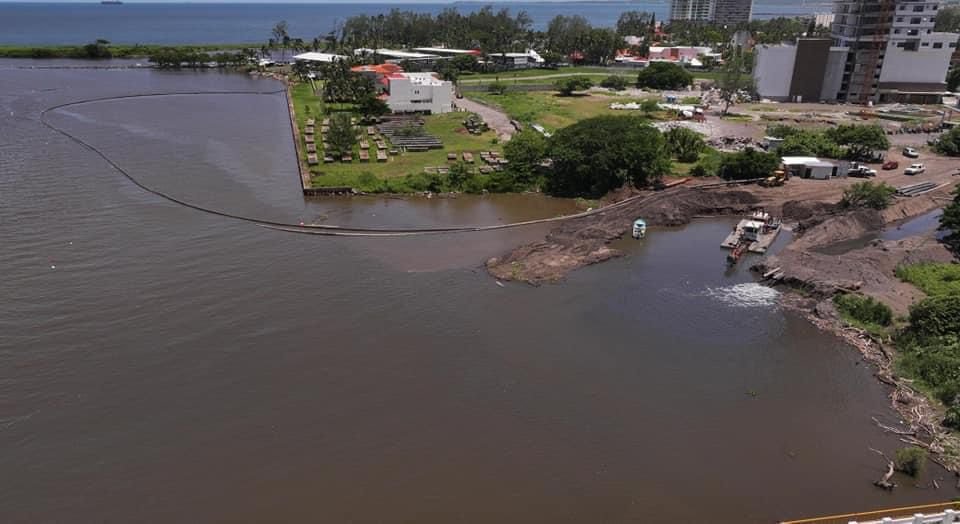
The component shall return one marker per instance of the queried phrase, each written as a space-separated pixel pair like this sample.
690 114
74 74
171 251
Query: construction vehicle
778 179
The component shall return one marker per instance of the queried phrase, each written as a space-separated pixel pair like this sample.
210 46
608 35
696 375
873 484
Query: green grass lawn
510 76
934 279
551 110
447 127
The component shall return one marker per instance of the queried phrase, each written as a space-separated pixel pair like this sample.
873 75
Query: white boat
639 228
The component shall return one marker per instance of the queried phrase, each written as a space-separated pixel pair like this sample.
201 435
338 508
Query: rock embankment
581 242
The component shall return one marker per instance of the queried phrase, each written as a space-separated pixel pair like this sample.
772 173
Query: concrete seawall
302 168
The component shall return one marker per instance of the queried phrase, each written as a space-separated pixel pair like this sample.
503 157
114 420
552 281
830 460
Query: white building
419 93
701 10
810 167
809 71
517 60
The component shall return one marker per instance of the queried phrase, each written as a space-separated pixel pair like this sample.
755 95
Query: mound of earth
583 241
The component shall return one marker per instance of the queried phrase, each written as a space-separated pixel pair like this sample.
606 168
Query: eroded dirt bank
580 242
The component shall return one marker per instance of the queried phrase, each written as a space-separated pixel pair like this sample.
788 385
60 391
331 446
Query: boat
111 2
639 228
754 234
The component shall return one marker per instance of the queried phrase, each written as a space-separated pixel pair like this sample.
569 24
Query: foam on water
749 294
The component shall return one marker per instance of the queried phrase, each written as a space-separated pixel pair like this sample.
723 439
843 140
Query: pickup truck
861 171
914 169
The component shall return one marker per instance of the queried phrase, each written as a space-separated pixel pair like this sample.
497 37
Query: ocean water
159 23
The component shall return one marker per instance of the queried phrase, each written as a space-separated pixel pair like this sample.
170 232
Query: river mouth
160 364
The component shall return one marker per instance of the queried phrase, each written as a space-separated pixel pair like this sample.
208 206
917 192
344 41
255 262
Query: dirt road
496 119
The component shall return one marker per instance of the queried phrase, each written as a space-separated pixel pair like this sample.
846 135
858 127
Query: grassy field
595 73
551 110
932 278
447 127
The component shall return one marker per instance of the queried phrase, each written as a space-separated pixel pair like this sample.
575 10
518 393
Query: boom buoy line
315 229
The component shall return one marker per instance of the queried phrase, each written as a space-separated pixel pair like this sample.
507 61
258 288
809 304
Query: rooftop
318 57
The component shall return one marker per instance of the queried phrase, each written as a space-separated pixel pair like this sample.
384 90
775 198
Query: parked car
914 169
910 152
891 164
861 171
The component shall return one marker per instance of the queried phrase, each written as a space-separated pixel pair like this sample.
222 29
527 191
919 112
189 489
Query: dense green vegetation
615 82
864 312
684 144
567 86
948 19
868 194
664 75
587 163
949 142
930 351
102 49
911 460
932 278
950 222
860 140
747 164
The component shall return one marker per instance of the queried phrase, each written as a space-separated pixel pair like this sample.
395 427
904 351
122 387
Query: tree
664 75
280 36
566 86
458 175
649 105
589 162
98 49
861 141
341 135
371 106
948 19
615 82
525 151
782 130
634 23
950 221
949 143
684 144
953 79
497 88
464 63
734 78
809 143
747 164
868 195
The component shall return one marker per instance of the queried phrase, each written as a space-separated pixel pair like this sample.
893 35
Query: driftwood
884 481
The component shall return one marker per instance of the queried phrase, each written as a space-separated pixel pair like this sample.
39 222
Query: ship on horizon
111 2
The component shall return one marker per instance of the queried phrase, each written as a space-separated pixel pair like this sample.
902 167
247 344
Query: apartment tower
893 53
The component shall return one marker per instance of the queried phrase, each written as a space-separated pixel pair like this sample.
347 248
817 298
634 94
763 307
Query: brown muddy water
158 364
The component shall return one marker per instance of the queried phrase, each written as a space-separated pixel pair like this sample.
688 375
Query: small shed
809 167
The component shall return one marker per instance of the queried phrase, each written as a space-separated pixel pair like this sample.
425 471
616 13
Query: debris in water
500 284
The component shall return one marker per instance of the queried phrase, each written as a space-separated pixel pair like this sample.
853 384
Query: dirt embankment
580 242
832 252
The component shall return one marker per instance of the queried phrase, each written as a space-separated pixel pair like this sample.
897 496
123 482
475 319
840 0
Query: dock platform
763 242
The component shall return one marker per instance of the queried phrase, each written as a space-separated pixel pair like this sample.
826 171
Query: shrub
868 194
497 88
566 86
684 144
949 143
864 310
782 130
615 82
708 164
649 105
936 316
861 140
911 460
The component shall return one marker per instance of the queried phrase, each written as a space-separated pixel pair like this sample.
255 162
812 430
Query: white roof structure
444 51
318 57
404 55
800 160
424 79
